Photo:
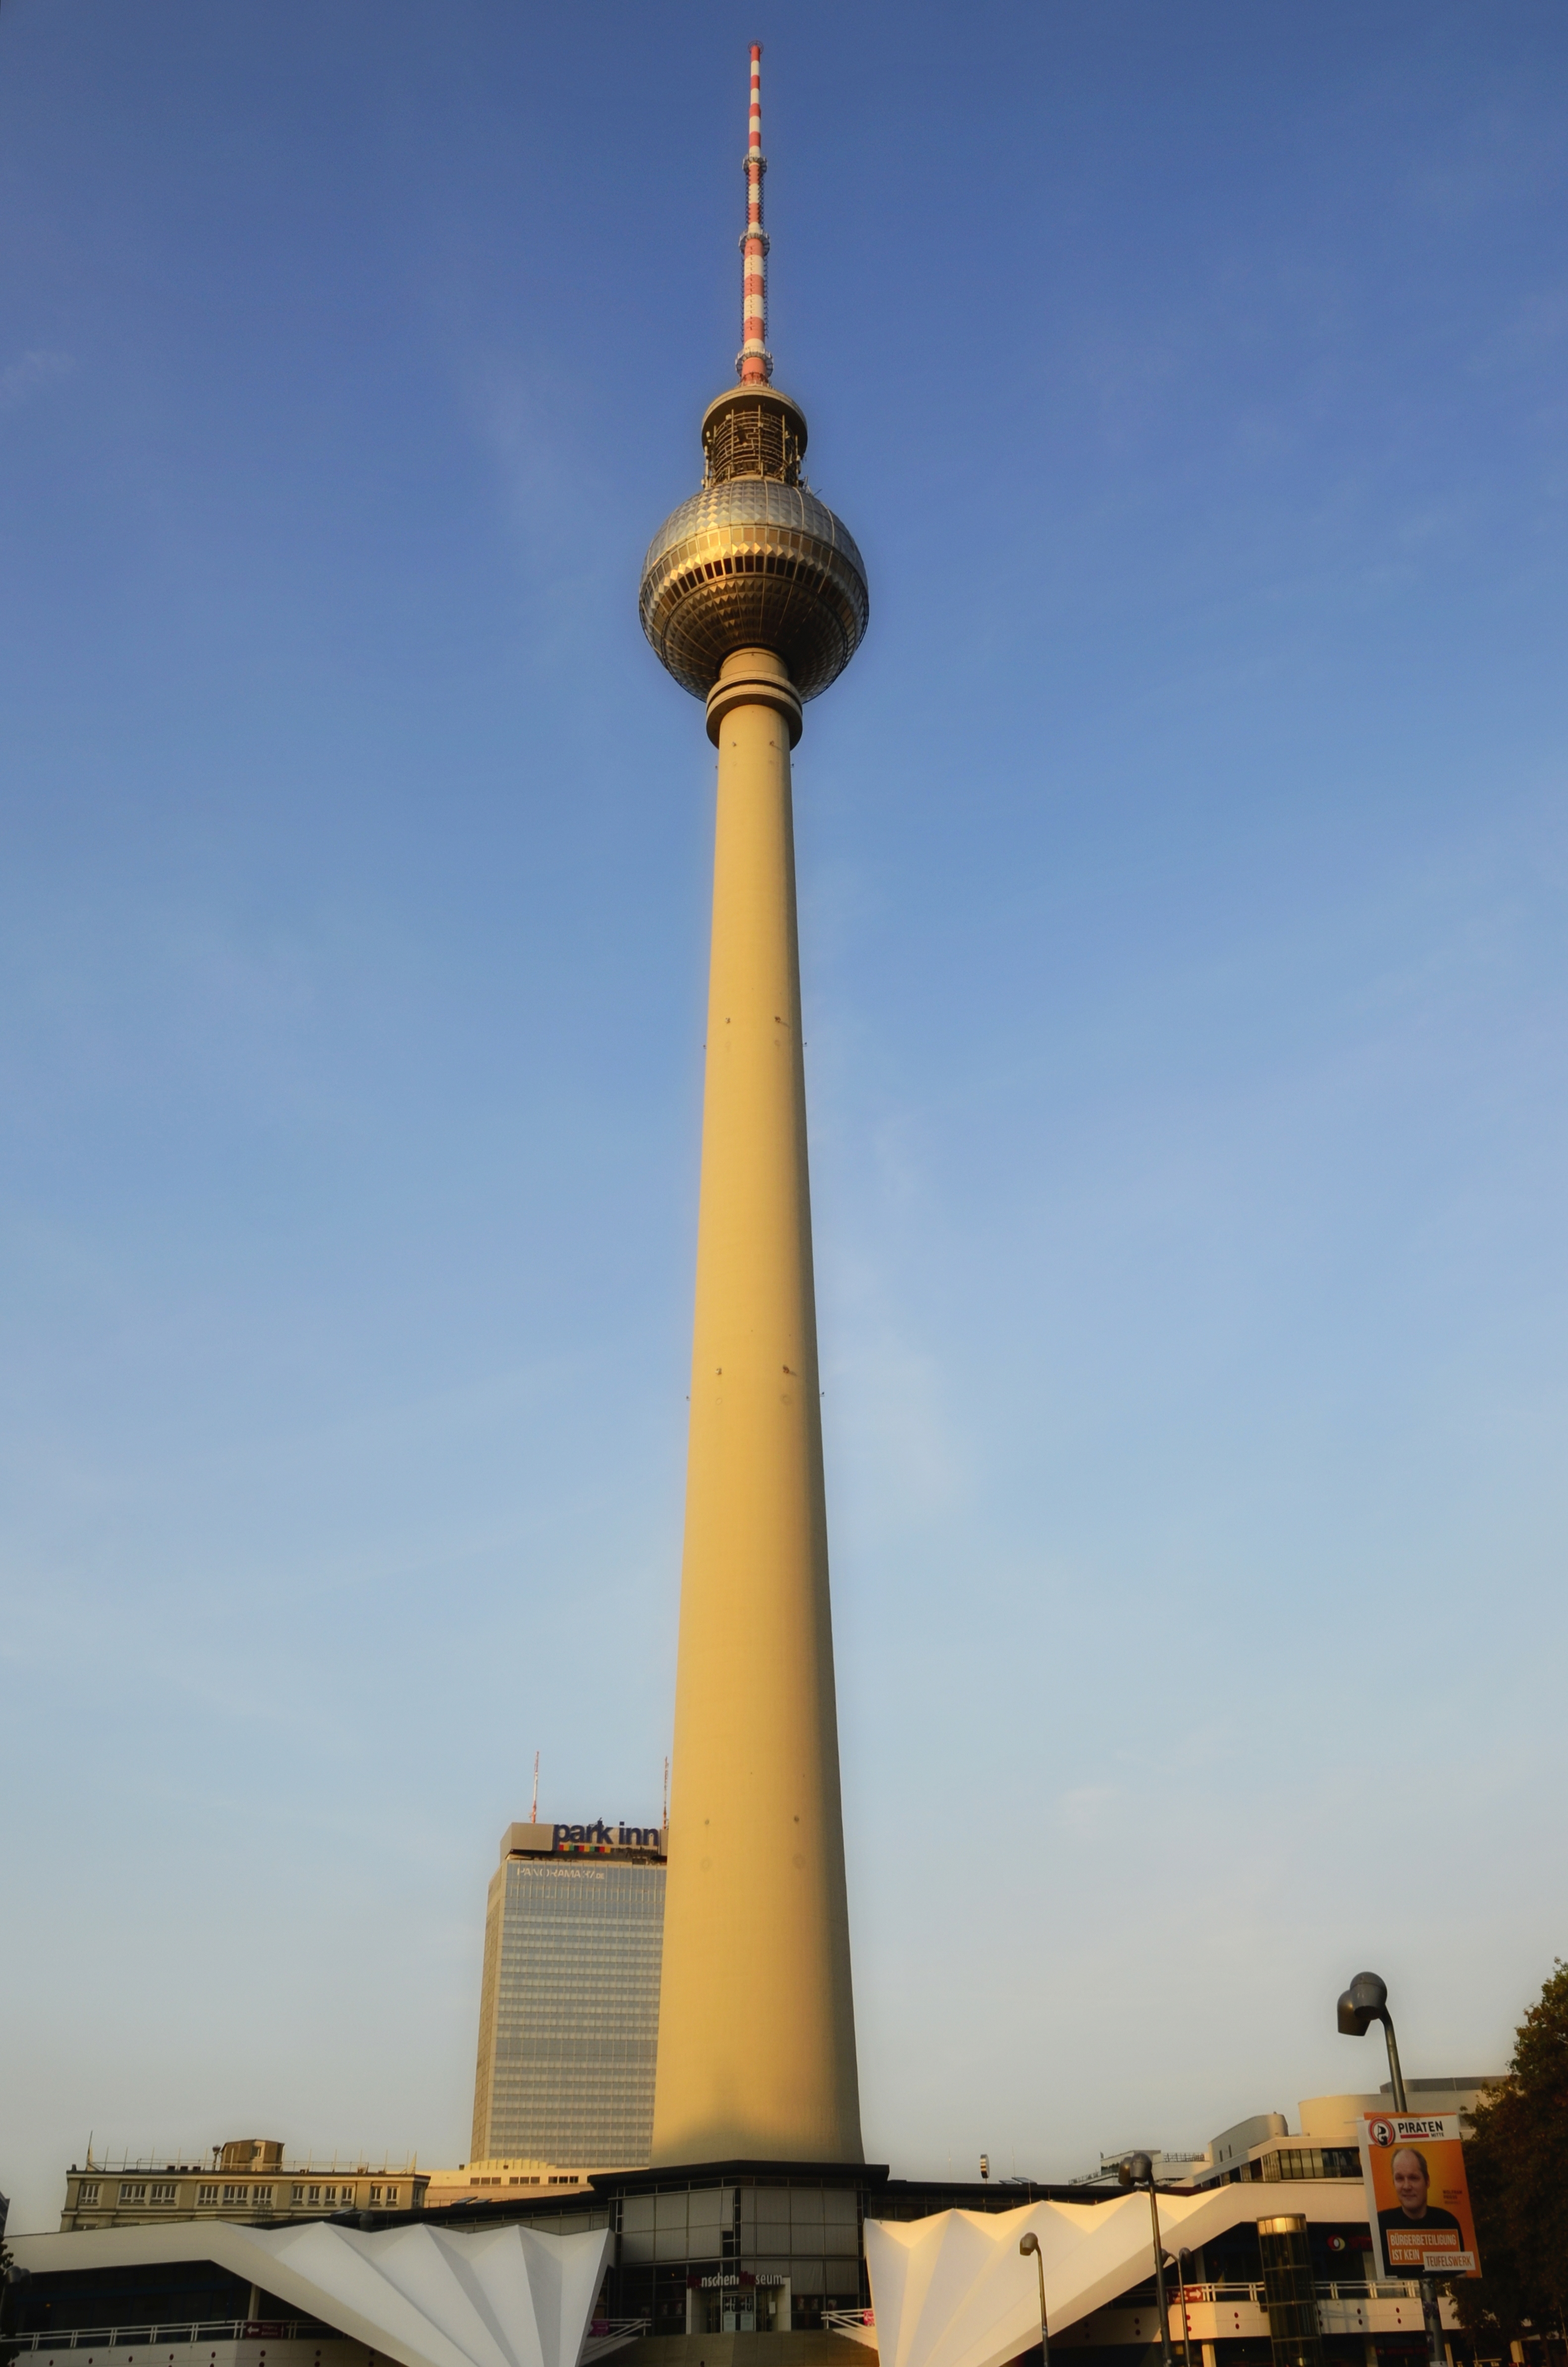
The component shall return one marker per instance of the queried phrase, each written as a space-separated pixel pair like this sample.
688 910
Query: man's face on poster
1410 2181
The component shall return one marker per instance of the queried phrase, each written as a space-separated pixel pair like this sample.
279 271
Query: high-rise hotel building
569 2010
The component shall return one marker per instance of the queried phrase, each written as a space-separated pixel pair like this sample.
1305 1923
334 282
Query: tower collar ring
754 678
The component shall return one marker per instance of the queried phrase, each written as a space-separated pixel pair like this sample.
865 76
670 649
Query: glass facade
569 2014
1292 2296
753 2255
1308 2161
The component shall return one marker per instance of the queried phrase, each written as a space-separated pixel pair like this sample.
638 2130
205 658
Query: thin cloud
23 380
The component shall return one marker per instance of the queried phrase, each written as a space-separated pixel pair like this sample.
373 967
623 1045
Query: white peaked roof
953 2290
503 2296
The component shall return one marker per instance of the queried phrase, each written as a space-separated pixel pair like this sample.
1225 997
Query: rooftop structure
319 2296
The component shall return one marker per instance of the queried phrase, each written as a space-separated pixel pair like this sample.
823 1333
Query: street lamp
1139 2170
12 2277
1364 2002
1027 2244
1182 2257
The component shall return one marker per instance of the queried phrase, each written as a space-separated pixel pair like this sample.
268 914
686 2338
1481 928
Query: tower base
746 2350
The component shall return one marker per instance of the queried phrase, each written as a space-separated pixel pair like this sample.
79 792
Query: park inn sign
597 1839
564 1838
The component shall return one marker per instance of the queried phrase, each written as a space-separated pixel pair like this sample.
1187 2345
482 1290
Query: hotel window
206 2194
260 2194
137 2193
89 2192
374 2196
297 2194
236 2194
313 2195
163 2191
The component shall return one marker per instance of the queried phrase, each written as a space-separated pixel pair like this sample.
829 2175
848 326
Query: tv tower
754 597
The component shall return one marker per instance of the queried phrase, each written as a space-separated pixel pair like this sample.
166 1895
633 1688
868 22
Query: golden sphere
752 563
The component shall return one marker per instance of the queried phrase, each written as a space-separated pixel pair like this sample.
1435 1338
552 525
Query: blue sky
1183 870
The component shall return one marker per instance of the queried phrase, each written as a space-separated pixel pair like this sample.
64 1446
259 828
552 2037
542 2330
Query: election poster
1417 2199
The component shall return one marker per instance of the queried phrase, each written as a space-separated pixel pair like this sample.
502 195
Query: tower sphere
754 560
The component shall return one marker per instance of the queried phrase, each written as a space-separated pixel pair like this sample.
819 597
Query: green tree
1517 2162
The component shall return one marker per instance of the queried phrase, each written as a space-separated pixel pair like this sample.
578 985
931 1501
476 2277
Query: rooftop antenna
666 1792
534 1811
754 362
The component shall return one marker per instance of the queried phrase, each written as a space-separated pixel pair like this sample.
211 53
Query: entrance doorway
735 2304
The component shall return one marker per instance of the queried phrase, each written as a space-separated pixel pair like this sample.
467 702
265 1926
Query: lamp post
1182 2257
1364 2002
1027 2244
1139 2170
11 2277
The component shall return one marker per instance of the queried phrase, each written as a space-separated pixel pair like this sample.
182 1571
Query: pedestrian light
1139 2170
1364 2002
1027 2244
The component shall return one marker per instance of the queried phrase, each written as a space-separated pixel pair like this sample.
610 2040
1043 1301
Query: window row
1309 2161
213 2193
816 2208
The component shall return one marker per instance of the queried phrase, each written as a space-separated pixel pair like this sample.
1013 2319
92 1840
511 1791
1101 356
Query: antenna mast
534 1811
754 362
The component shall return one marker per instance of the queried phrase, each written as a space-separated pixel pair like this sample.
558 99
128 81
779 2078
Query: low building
833 2261
946 2290
491 2181
325 2296
248 2180
1325 2144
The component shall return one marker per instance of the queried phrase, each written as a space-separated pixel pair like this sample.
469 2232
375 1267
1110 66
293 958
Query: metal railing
187 2164
609 2333
1340 2289
839 2321
170 2331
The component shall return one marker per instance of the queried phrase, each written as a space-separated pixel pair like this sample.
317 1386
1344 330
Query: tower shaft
756 2031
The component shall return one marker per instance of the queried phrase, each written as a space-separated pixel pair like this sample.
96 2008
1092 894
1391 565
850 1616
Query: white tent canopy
952 2291
504 2296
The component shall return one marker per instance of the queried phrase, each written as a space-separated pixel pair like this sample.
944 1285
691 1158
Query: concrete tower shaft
756 2034
754 597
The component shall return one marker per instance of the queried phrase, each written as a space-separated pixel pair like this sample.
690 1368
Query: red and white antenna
754 362
534 1811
